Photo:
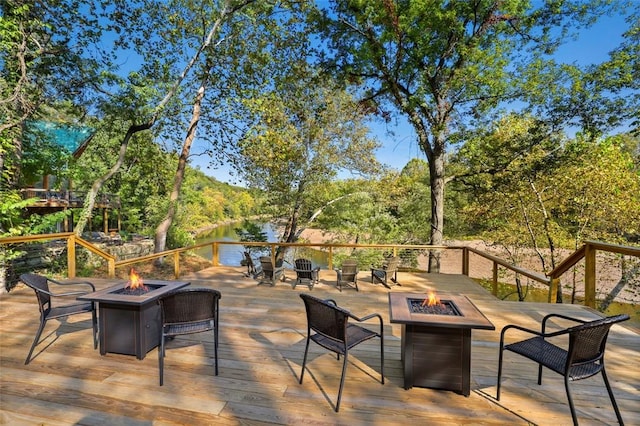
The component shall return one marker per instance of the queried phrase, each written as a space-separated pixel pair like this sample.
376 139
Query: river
232 255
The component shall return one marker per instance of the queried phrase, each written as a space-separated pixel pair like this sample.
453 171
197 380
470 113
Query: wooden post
215 254
494 286
590 276
554 283
105 221
111 267
465 261
176 265
330 265
71 255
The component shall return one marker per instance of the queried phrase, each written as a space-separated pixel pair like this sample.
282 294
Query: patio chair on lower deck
583 358
347 275
328 325
252 270
270 272
387 272
306 273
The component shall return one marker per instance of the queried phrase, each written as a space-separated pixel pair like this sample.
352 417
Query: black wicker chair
305 273
347 275
187 311
332 330
40 285
271 273
583 358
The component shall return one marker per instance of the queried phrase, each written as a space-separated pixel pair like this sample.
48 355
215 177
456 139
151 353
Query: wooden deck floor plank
262 335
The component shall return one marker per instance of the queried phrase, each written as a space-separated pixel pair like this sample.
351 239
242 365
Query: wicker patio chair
271 273
332 330
188 311
305 273
387 272
583 358
40 284
347 275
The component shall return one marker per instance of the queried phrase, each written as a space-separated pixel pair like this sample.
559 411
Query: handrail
588 252
568 263
551 279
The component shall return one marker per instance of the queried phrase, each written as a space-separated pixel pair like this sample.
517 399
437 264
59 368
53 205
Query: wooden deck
262 335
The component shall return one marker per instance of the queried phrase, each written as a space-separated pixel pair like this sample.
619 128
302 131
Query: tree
307 131
533 188
443 63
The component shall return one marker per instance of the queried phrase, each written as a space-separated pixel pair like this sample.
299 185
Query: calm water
232 255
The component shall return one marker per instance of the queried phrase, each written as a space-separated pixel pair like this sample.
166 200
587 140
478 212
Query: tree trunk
165 224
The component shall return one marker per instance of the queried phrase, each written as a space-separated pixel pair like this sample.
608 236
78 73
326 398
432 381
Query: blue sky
399 147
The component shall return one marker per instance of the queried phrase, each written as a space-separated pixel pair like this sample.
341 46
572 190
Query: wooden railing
588 252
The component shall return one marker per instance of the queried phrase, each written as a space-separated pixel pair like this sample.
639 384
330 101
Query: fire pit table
129 322
436 343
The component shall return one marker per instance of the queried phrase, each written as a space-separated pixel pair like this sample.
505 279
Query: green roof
70 137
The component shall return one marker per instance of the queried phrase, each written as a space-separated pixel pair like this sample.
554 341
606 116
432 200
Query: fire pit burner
445 307
136 291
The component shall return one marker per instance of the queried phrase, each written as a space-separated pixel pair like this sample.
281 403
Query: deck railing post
111 267
554 283
590 276
330 263
176 264
494 284
71 255
465 261
215 254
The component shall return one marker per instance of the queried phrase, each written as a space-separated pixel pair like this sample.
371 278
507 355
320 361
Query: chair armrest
70 293
549 316
368 317
530 331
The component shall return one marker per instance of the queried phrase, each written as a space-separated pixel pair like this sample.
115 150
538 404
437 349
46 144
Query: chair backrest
349 269
40 285
251 267
391 264
189 305
303 268
326 318
267 266
587 341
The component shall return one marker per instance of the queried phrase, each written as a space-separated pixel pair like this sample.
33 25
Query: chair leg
94 319
571 407
344 371
215 345
500 356
161 359
613 400
35 341
304 360
382 356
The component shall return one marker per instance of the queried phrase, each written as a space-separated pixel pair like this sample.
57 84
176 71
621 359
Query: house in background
53 195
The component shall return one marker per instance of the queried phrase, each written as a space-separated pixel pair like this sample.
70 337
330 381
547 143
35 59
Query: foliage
252 232
444 64
533 188
305 134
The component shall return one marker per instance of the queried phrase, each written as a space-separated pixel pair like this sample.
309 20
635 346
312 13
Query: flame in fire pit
431 300
135 282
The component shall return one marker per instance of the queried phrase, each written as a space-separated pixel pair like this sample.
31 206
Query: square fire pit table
436 346
130 323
